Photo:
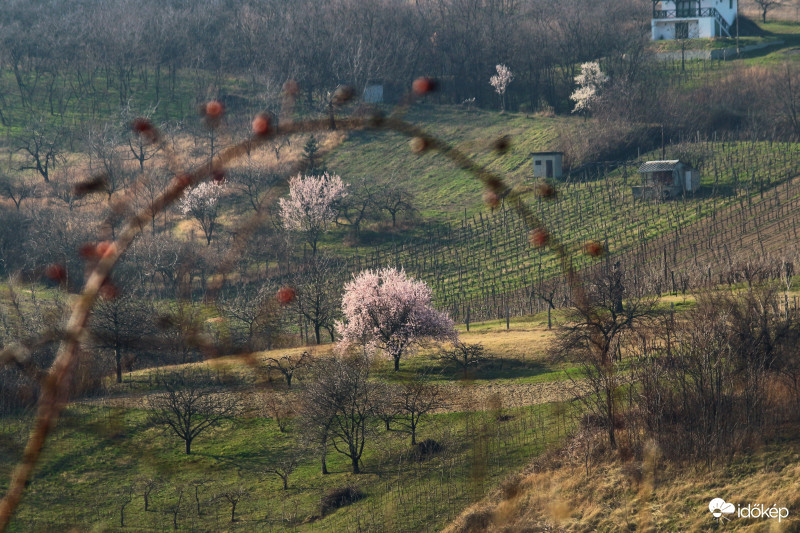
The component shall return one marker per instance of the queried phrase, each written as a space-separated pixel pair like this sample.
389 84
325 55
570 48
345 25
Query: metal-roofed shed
666 179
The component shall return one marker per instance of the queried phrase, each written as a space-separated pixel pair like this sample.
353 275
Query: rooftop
659 166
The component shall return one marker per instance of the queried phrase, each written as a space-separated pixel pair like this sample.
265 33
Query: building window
681 30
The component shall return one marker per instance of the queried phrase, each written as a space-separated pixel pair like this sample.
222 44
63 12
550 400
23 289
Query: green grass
439 187
473 263
96 454
77 99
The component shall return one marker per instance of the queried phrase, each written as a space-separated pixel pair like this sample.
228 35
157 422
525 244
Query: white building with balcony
696 19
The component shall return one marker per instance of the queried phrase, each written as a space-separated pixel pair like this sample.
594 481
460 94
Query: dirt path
460 396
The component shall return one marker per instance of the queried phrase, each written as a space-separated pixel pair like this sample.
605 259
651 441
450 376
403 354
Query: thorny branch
55 384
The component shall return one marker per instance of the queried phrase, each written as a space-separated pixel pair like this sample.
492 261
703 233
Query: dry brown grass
645 494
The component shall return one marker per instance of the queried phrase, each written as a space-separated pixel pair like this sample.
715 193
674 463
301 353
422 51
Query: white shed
547 164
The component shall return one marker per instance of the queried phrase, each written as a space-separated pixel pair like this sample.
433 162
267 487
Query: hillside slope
559 494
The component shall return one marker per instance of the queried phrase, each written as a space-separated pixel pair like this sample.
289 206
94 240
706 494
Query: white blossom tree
387 310
500 82
309 209
202 204
590 81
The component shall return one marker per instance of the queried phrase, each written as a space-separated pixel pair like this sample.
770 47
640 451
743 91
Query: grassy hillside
641 494
475 261
105 450
441 189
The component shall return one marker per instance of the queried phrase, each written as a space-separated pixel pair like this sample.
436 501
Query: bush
427 448
476 521
341 497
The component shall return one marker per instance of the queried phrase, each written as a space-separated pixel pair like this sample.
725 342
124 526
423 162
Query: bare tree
140 146
104 146
126 497
187 408
233 495
197 483
40 143
464 355
252 183
288 365
17 190
395 199
255 319
283 467
176 507
415 399
123 326
594 332
147 486
765 6
341 400
359 205
318 292
278 408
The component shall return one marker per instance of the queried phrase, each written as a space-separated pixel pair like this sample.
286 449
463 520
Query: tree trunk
396 363
325 456
316 333
233 512
118 359
612 440
354 460
188 446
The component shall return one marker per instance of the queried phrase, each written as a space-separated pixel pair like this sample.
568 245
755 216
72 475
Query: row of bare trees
65 54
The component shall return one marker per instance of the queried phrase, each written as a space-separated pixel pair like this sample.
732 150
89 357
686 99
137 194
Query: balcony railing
689 12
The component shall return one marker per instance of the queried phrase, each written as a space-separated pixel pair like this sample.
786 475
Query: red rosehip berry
108 291
491 199
56 272
502 145
593 249
286 295
214 109
539 237
88 251
343 94
291 88
105 249
423 86
145 128
545 190
262 125
418 145
183 181
94 184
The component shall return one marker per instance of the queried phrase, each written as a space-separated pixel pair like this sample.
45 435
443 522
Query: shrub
427 448
340 497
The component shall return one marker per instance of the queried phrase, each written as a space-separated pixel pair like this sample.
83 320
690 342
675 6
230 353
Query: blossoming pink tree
310 205
202 204
392 312
500 82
